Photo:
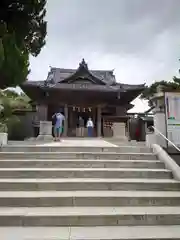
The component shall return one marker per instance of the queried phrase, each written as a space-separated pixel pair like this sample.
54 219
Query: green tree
149 91
22 32
10 101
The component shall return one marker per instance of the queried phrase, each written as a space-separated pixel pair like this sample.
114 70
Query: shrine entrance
77 112
73 114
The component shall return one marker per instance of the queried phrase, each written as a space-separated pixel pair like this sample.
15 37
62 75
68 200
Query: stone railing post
119 131
45 131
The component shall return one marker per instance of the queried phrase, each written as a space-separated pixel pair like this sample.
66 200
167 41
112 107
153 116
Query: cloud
140 39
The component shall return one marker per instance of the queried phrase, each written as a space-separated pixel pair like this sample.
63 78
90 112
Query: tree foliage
173 85
9 102
22 32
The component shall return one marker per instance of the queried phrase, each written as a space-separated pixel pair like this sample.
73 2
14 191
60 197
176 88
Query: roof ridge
74 69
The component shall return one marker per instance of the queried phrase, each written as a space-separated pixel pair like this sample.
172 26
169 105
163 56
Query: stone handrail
168 161
162 135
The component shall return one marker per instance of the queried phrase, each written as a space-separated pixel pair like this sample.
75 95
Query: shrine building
86 93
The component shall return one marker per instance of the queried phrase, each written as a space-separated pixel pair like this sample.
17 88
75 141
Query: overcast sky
140 39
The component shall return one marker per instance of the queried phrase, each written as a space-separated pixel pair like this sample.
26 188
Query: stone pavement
67 142
79 143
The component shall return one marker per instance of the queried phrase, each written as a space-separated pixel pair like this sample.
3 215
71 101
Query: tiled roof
61 73
76 86
101 80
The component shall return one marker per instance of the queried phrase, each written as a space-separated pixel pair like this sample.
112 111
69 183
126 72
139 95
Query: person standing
59 118
81 127
90 127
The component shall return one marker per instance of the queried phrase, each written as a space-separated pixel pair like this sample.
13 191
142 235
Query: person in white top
90 126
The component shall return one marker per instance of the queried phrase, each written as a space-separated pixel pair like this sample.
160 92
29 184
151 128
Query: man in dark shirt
81 127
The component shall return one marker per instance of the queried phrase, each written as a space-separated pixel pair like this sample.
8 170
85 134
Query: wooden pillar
129 130
99 121
66 120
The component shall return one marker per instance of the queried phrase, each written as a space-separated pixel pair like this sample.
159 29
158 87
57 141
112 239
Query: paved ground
76 142
67 142
79 143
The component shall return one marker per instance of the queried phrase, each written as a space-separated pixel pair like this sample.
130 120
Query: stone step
86 184
125 232
91 216
30 148
97 163
92 233
77 155
88 198
84 173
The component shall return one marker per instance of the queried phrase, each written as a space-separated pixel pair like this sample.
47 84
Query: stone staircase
86 193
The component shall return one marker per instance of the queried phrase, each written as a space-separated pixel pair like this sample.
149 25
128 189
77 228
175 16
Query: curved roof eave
83 66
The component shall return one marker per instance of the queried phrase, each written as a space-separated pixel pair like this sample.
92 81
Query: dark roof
59 74
83 79
76 86
79 86
101 77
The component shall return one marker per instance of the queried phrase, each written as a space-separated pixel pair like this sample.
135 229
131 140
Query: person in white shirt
90 126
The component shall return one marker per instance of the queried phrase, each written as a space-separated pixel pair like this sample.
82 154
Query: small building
82 92
141 121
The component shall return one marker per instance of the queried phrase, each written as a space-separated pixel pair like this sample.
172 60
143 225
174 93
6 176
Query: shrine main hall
86 93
